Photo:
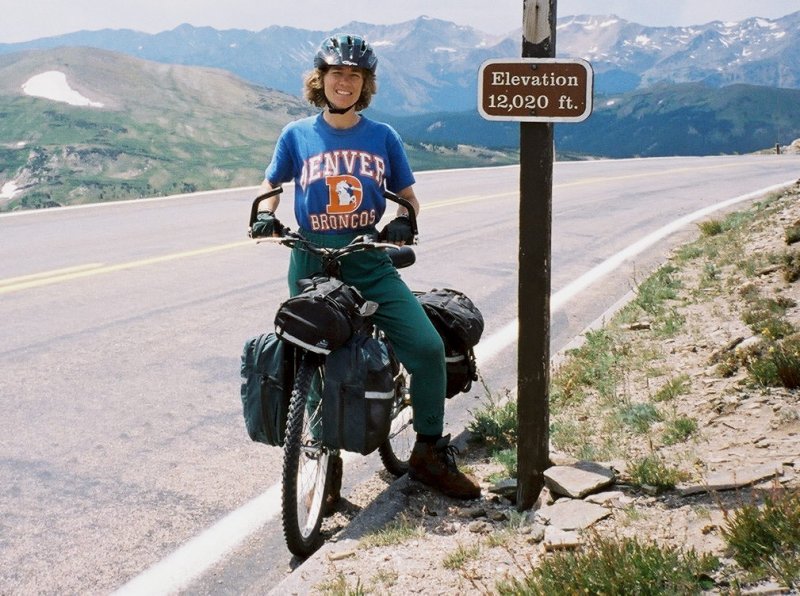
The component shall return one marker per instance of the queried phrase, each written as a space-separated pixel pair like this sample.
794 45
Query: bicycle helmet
346 50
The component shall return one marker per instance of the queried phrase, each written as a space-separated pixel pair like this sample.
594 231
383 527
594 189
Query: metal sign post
536 90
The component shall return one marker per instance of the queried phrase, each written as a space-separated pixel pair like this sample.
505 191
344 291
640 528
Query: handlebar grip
412 216
257 201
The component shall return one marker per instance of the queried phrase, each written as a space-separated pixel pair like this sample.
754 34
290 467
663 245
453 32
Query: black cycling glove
266 225
398 230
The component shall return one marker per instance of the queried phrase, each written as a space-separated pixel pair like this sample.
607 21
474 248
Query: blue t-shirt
339 175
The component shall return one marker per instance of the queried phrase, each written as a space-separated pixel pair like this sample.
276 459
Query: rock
730 479
535 532
555 539
338 556
572 514
768 270
472 512
505 488
750 344
479 527
609 498
578 480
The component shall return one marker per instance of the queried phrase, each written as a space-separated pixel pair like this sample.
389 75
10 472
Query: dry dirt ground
468 547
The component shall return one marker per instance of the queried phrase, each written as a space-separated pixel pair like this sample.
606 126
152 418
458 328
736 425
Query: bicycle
307 463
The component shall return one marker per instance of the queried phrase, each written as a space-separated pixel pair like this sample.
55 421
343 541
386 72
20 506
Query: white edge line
507 335
207 548
192 559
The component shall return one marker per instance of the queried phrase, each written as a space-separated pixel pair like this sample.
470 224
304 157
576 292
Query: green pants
400 316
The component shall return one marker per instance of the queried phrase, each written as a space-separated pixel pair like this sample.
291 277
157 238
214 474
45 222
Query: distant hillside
687 119
161 129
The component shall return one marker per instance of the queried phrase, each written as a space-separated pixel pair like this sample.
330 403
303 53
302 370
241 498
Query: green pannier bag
358 395
267 376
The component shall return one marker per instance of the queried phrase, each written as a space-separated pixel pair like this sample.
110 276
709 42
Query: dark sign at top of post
535 90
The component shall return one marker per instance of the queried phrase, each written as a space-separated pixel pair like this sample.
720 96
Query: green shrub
639 417
619 567
495 425
712 227
652 471
508 459
595 364
766 317
674 387
778 366
791 267
657 289
792 233
766 540
679 430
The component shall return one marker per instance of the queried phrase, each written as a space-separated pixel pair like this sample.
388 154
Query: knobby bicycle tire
306 467
395 451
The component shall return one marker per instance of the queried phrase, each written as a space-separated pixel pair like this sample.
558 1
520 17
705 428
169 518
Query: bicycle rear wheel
395 452
306 465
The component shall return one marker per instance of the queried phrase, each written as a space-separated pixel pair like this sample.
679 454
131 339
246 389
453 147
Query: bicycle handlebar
412 216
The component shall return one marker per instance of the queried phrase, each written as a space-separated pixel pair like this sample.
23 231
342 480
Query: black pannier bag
357 396
460 325
322 317
267 376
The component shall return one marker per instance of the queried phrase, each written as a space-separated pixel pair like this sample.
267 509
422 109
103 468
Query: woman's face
343 85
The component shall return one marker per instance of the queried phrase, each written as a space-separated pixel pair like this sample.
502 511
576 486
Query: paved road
121 437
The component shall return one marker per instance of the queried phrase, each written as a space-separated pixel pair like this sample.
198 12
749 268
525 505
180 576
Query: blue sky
23 20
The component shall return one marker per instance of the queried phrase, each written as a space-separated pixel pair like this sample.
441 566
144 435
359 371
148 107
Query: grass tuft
652 471
397 532
765 540
461 556
608 566
495 425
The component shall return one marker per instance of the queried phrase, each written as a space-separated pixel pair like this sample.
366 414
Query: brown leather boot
435 465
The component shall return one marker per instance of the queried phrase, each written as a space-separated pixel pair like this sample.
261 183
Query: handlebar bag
267 372
357 395
322 317
460 325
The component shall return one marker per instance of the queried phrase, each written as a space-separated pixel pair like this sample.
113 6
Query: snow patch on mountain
53 85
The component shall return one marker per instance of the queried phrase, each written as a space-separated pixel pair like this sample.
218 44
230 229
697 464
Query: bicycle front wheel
306 463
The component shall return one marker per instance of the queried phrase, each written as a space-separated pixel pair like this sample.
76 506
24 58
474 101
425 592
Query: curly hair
314 88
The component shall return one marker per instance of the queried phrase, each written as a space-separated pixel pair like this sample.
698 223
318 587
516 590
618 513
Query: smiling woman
53 85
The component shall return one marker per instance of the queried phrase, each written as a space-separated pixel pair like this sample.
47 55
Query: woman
340 162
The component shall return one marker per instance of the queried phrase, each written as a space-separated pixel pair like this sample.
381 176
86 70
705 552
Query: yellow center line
15 284
10 281
45 278
600 179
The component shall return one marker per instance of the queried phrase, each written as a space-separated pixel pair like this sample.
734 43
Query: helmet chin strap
333 110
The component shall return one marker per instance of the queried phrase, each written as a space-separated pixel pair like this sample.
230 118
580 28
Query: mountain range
84 125
195 108
430 65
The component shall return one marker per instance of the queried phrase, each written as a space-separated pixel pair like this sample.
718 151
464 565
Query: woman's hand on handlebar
398 231
266 225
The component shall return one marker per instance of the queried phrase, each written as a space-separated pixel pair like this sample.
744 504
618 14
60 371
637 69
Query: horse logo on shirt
345 194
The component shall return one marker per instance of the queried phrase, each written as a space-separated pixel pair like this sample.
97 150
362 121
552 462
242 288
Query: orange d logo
344 194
